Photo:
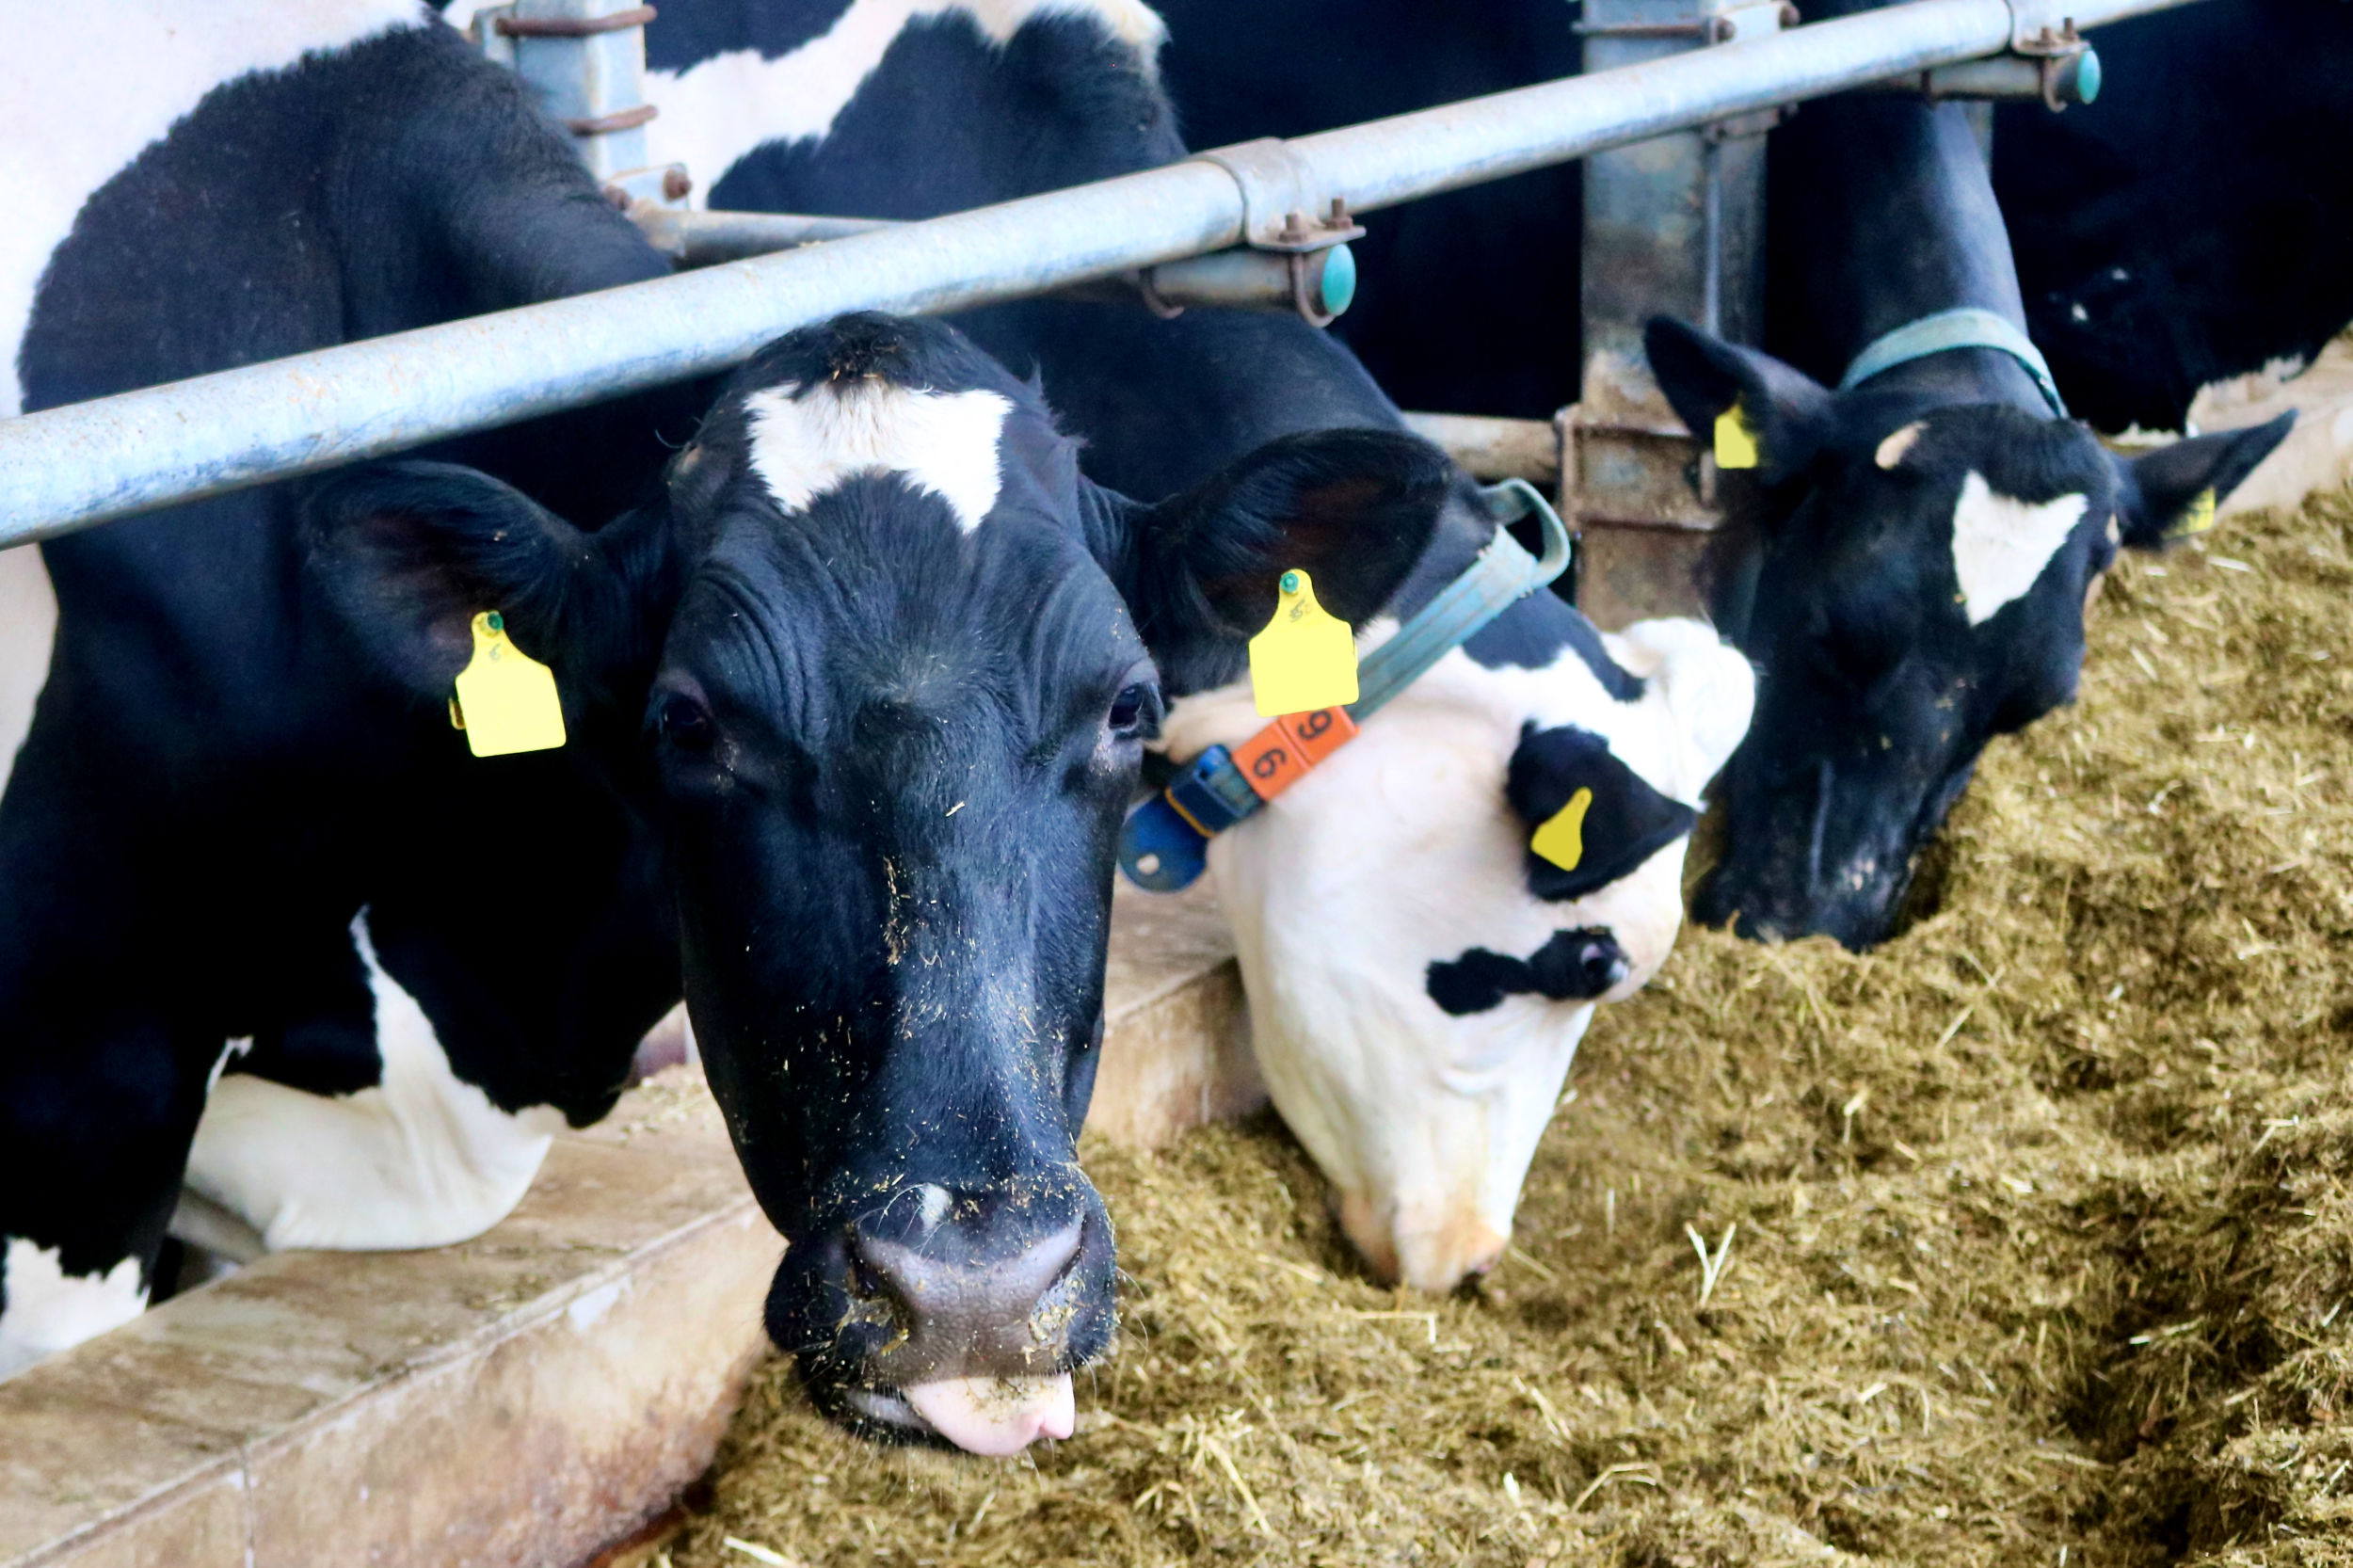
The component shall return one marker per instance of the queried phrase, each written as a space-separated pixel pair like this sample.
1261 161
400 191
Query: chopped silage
2026 1239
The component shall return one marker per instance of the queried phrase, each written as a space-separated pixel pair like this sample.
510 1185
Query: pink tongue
997 1416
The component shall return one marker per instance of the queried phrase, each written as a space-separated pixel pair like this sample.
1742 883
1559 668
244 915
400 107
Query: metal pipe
67 468
1240 279
2058 82
1491 449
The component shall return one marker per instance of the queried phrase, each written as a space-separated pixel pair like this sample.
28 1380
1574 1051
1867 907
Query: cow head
880 666
1418 975
1920 588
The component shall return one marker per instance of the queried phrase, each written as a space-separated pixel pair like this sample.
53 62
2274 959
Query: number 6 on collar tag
505 699
1305 659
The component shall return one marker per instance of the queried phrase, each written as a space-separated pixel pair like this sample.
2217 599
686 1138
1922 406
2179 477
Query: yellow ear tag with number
1735 443
2196 517
1305 659
1562 838
505 699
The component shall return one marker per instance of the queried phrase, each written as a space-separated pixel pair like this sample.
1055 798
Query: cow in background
1886 657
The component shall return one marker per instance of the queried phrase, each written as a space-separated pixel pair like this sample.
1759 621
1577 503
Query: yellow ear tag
505 699
1735 443
2196 517
1562 838
1305 659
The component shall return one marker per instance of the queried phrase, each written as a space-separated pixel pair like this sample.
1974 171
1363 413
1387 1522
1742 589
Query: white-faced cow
855 693
1418 979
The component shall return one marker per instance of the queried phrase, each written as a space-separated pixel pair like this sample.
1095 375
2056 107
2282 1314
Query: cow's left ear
1353 508
1590 818
407 553
2172 493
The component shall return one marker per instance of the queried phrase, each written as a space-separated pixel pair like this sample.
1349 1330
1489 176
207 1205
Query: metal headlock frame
70 468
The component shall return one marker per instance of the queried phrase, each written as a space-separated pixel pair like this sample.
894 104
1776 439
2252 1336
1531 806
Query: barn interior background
2025 1237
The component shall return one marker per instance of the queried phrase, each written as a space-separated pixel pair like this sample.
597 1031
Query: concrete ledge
530 1397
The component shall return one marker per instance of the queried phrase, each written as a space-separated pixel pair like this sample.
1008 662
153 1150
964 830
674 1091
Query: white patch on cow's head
49 1310
424 1159
29 635
945 443
1891 450
2001 545
717 111
84 89
1403 850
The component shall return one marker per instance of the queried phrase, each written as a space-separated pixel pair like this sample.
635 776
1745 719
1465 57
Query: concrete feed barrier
527 1398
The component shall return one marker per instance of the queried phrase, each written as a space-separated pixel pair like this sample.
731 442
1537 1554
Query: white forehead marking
84 88
2001 545
945 443
718 110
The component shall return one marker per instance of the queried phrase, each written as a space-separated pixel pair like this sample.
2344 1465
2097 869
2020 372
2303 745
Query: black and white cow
1879 612
1419 981
2196 222
856 695
1930 536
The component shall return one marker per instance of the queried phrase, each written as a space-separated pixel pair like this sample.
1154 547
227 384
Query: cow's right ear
1785 412
407 553
1353 508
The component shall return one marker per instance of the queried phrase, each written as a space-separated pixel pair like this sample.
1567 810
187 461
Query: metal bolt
676 184
1722 30
1790 17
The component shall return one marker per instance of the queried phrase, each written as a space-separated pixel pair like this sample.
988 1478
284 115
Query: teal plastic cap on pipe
2087 76
1340 279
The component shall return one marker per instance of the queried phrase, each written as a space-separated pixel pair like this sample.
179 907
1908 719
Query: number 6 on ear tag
1305 659
506 700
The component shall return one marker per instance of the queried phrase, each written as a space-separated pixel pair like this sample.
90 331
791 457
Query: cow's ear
1785 412
1200 571
2172 492
1590 819
407 553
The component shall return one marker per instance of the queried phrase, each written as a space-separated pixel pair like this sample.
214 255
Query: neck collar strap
1964 328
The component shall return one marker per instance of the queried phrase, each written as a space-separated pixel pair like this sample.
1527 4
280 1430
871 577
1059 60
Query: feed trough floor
2032 1234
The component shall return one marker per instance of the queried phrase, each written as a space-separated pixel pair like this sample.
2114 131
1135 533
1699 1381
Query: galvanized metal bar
68 468
1490 449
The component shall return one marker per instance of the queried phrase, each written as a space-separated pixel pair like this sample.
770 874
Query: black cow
1930 536
1415 1034
2197 221
1882 623
855 696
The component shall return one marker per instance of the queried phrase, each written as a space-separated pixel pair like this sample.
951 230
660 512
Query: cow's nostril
1605 965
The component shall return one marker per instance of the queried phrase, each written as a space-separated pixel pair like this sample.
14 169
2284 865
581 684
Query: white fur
28 632
1402 849
84 88
2001 545
49 1310
718 110
945 443
421 1159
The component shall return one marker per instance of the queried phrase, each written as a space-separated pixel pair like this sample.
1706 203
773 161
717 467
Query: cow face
1920 588
1418 975
879 667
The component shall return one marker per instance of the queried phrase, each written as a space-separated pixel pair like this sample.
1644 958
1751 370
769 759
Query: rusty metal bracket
510 26
1282 207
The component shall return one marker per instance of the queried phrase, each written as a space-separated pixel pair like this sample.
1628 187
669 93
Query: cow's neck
1894 219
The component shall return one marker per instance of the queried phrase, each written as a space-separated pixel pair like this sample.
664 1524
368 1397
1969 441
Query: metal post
1674 225
585 60
64 469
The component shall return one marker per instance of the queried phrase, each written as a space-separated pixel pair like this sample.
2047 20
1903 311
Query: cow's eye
1135 713
684 724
